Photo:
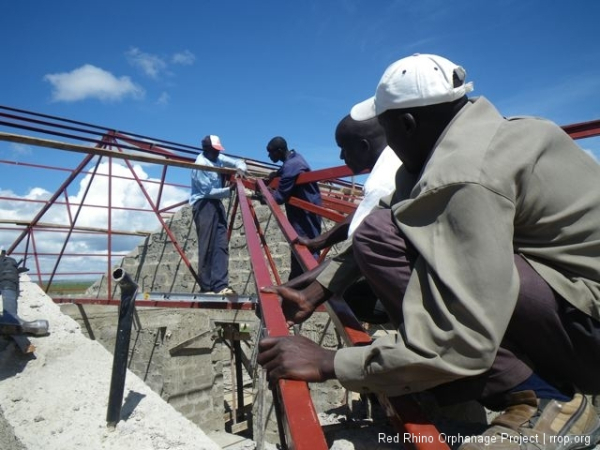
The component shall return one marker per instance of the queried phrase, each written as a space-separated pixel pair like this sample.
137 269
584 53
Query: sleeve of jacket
341 271
288 174
233 163
459 299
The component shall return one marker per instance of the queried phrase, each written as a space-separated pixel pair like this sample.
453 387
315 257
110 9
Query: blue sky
248 71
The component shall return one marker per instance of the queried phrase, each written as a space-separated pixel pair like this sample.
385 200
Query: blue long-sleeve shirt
305 223
207 184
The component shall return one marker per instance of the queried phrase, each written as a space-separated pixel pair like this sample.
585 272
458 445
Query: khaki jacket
492 187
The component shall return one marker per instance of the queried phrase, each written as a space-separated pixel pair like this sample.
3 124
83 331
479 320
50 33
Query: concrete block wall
190 379
157 267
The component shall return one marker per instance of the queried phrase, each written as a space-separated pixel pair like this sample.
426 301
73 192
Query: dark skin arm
336 234
298 305
295 358
306 278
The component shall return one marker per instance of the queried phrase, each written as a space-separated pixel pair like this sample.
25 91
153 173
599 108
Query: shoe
207 293
226 291
531 423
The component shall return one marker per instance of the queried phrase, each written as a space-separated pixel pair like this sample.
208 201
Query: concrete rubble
57 399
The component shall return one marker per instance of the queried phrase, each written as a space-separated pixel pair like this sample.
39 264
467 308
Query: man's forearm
336 234
303 280
316 293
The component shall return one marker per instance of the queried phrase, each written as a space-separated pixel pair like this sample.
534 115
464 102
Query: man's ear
409 123
365 145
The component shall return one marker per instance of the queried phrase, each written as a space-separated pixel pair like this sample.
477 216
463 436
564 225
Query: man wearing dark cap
209 216
305 223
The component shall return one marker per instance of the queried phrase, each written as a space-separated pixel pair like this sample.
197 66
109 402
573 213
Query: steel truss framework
299 424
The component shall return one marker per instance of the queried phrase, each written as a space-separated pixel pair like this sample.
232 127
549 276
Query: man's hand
295 358
258 196
240 173
311 244
295 305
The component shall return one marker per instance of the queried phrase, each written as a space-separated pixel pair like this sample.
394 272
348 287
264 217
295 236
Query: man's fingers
280 290
270 289
283 290
270 360
266 343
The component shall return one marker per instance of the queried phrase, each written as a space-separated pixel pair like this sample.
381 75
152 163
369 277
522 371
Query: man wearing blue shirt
306 224
209 216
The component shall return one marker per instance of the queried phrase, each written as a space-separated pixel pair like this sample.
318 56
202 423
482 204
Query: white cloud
163 99
127 200
17 150
125 194
20 149
89 81
151 65
185 58
564 102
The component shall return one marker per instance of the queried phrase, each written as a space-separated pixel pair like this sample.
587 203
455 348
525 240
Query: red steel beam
51 201
324 174
83 172
72 225
149 147
406 414
319 210
263 241
301 423
343 206
583 129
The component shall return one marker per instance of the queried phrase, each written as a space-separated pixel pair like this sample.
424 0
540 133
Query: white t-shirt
381 182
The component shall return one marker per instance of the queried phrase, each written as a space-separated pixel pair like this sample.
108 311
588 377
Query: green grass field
68 287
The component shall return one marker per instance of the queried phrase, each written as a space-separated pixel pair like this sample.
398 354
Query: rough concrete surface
57 399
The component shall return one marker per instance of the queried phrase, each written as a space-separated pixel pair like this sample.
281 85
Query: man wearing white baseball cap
487 258
208 190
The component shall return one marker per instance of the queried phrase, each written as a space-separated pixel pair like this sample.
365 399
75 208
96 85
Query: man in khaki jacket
487 260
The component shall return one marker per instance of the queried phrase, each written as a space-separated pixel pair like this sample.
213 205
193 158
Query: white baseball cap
212 141
417 80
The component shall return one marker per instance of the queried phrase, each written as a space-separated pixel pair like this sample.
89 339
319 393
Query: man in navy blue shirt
306 224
